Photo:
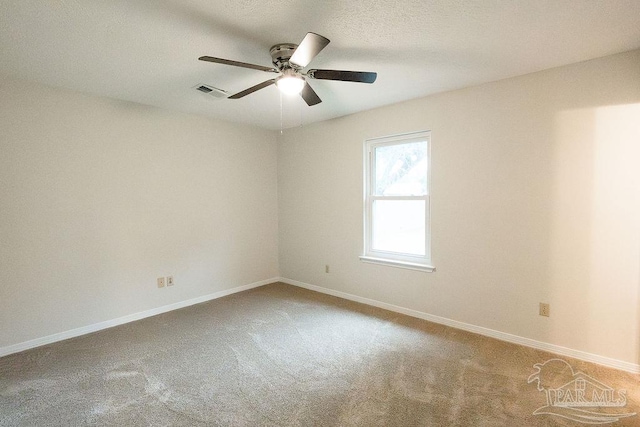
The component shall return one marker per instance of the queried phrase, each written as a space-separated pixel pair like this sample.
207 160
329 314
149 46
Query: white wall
535 197
99 197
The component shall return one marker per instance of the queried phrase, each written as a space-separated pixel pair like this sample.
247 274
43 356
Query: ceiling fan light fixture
290 84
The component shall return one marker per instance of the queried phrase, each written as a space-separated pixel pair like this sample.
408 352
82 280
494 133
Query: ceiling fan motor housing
280 55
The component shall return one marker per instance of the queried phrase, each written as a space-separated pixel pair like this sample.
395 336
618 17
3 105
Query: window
397 205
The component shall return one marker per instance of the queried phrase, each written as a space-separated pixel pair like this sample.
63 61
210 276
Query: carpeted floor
284 356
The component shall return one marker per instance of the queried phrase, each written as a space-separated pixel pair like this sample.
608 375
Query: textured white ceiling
147 51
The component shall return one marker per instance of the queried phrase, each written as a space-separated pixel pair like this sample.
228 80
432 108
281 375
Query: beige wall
535 197
99 197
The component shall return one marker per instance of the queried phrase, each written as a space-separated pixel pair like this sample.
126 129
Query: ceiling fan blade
309 95
237 64
308 48
345 76
253 89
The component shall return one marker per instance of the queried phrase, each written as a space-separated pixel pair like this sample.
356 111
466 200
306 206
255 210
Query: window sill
398 264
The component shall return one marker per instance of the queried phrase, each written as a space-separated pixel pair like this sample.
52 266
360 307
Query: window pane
401 169
399 226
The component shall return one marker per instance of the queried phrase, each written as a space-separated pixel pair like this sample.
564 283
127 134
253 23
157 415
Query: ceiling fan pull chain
280 112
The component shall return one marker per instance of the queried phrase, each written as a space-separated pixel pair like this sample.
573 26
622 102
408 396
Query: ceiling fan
290 60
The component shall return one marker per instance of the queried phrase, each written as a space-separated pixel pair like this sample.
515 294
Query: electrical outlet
161 282
544 309
169 280
326 268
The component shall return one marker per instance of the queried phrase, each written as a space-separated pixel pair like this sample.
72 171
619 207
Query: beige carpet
283 356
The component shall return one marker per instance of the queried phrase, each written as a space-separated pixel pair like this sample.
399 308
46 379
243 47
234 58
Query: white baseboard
26 345
503 336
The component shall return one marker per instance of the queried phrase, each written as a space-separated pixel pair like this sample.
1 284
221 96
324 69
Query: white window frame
394 259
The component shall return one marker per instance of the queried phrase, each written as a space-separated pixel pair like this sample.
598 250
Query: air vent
204 89
211 91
